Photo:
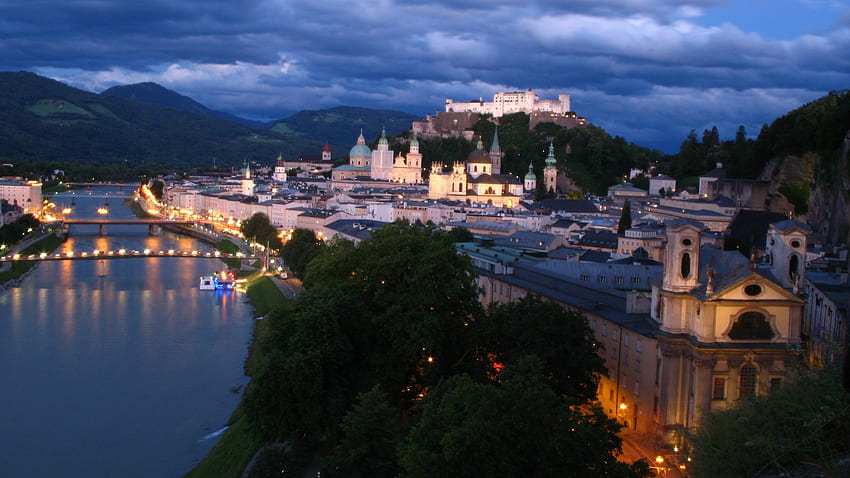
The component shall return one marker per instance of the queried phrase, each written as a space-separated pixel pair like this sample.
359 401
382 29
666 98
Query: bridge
152 223
123 254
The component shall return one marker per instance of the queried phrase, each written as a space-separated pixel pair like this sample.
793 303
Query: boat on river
221 280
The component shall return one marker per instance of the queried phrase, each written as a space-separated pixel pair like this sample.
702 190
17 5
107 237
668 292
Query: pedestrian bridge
152 223
123 254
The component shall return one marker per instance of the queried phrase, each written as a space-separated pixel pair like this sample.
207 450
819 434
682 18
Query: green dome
360 150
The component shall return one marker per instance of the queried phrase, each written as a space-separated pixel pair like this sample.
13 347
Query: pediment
754 288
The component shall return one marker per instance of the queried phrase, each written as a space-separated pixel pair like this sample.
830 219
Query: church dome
480 155
530 174
360 150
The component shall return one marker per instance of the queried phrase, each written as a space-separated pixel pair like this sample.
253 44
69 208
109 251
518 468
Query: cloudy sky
647 70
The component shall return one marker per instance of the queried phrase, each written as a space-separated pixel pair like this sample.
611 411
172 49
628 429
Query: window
585 278
626 339
752 289
635 280
793 265
747 375
637 387
719 390
604 330
601 279
639 345
751 326
686 265
619 280
614 335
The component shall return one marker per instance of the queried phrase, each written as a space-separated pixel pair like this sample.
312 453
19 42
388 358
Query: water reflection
121 372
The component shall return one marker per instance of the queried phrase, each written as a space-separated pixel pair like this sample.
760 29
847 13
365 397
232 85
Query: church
477 180
381 164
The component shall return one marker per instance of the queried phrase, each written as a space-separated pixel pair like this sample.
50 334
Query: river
127 374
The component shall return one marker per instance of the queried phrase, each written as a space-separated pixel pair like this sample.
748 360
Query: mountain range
45 120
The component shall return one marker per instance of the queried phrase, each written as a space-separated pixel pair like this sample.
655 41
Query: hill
44 120
340 126
156 94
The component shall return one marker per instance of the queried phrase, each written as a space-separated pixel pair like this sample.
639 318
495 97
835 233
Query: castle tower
530 183
786 252
360 154
326 152
382 159
496 154
550 172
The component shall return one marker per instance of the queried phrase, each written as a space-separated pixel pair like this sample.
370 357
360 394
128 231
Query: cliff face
814 190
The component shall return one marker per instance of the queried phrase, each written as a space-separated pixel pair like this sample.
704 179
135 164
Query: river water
117 367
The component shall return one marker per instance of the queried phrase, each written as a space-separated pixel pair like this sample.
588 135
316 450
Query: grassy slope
234 451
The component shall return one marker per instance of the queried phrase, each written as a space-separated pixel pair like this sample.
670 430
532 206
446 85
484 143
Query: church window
748 381
752 289
793 265
751 326
719 390
686 242
795 244
686 265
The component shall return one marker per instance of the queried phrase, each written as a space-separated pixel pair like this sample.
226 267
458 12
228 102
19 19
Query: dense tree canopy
395 320
300 249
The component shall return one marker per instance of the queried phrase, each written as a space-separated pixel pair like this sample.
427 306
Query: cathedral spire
550 159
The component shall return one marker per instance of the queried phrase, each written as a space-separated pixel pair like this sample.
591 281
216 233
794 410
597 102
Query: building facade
512 102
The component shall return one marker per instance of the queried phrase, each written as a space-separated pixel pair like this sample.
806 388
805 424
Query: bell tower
785 249
681 255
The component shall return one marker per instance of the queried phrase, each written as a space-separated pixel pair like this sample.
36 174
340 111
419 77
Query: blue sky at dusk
646 70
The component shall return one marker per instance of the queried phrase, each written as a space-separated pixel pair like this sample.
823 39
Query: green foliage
801 426
560 338
519 428
156 189
340 126
108 130
300 249
370 434
625 218
15 231
230 455
798 196
258 228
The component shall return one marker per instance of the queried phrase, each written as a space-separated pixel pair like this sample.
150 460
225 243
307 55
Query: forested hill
156 94
44 120
340 126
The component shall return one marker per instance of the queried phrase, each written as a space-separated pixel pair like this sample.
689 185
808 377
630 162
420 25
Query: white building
24 194
512 102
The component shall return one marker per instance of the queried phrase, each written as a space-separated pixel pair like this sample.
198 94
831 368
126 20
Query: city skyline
648 71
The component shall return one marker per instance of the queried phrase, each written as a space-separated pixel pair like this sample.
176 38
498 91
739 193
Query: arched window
751 326
747 386
793 266
686 265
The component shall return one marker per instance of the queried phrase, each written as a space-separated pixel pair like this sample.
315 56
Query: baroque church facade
381 164
476 180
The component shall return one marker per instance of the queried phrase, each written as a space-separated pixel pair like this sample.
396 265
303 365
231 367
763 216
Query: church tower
550 172
279 169
247 181
496 154
681 255
382 159
530 183
414 157
786 252
326 152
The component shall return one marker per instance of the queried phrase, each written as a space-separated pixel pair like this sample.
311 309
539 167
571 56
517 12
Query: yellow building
700 333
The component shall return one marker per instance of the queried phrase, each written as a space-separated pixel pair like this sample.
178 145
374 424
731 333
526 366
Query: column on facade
703 388
732 384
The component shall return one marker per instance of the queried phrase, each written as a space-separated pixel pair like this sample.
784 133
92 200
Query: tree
156 189
300 249
370 434
625 218
561 338
519 428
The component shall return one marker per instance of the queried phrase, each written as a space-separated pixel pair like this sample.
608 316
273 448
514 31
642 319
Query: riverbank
232 454
11 274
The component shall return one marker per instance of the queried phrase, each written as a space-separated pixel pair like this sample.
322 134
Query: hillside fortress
505 103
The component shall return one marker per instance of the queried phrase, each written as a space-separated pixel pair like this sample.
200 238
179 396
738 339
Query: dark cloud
642 68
